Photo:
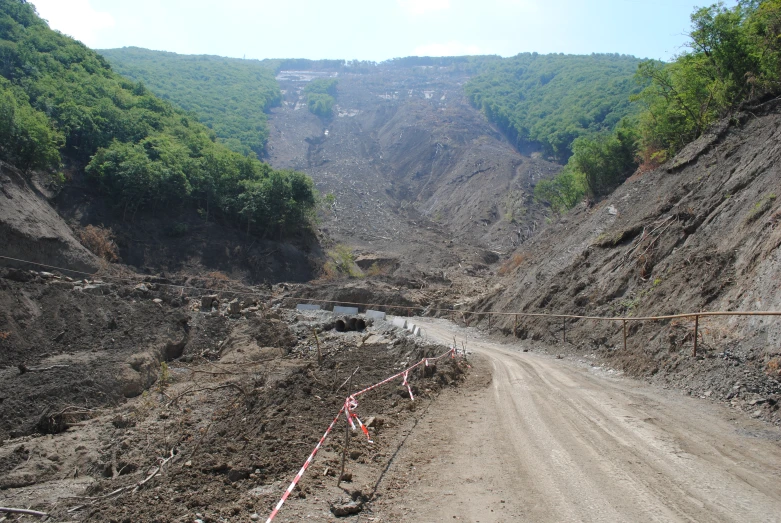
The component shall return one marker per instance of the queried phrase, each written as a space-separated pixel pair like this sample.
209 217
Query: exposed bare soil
699 233
418 175
229 420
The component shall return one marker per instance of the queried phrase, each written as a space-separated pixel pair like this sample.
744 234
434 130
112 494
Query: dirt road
541 439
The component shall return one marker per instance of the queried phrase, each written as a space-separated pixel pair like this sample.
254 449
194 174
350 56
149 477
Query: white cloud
421 7
76 18
446 49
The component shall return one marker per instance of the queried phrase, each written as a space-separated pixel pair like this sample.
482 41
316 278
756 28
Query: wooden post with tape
515 327
696 330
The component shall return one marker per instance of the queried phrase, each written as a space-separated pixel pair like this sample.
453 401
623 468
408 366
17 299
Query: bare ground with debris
176 413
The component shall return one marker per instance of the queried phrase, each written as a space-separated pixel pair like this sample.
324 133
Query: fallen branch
24 511
154 472
193 391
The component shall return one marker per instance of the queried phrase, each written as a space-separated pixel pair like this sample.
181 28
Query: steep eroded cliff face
31 229
701 233
415 170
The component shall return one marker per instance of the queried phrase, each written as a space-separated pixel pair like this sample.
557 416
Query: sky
377 29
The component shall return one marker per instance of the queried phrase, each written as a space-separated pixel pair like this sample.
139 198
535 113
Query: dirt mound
699 233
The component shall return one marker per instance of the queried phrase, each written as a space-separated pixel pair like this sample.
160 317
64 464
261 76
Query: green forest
733 57
321 96
61 102
550 100
230 95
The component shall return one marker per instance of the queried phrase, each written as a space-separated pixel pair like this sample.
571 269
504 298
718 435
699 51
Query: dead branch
176 398
24 511
200 440
155 472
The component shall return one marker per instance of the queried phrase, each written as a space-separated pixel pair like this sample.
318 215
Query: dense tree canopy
734 56
60 100
551 100
321 96
230 95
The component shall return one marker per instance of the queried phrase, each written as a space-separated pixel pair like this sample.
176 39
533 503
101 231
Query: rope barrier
421 308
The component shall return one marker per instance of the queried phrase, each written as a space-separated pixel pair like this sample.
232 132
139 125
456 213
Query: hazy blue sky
377 29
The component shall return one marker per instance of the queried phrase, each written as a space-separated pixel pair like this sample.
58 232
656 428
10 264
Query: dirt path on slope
533 438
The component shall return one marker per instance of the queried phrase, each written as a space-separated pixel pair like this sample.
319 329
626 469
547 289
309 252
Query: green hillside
60 101
551 100
229 95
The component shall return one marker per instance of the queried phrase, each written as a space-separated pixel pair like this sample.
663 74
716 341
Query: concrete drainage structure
350 323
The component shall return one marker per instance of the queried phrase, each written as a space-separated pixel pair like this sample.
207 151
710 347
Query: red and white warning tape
303 469
350 404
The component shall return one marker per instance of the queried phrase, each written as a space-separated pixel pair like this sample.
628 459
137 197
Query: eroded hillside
415 170
700 233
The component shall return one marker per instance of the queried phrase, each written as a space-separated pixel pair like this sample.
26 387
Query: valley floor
535 438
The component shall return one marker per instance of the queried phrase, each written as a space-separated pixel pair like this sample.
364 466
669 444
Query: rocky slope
700 233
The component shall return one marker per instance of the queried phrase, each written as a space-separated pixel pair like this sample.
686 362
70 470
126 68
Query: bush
100 241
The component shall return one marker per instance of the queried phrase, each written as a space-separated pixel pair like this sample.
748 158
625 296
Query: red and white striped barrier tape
350 404
303 469
409 388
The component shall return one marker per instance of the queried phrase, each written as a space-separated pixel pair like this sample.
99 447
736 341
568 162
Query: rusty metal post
624 335
515 327
696 329
564 334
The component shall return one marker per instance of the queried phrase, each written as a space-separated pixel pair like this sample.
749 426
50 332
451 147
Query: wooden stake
696 329
489 323
515 327
624 335
319 352
564 325
346 431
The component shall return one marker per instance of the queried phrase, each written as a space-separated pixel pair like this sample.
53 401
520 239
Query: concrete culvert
360 324
340 325
352 324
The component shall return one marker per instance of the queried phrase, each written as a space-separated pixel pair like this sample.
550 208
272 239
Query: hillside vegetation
550 100
61 101
734 55
230 95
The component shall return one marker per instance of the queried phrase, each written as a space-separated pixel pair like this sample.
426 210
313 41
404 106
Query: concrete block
411 327
377 315
345 310
307 307
400 322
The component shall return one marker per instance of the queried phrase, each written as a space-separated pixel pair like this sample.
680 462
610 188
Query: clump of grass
761 207
341 263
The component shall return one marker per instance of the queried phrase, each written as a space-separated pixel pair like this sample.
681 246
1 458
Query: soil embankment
699 233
